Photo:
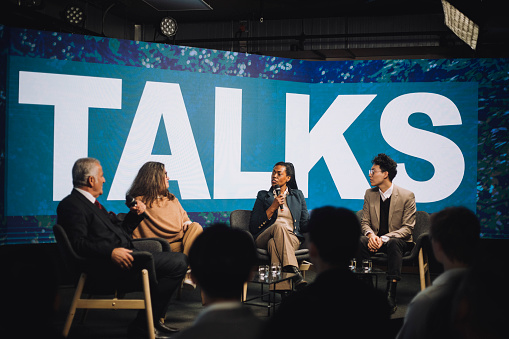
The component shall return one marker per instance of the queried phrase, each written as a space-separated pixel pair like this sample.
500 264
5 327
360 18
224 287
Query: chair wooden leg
148 304
244 292
74 304
424 270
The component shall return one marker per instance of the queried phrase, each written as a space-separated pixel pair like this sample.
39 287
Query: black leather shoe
138 331
162 327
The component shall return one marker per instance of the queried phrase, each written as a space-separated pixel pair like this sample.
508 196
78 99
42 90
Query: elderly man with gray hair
106 240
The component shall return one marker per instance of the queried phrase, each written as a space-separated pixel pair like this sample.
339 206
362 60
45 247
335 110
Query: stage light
168 26
461 25
74 15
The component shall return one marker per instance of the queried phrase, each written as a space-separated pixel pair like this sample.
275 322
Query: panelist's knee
363 240
182 262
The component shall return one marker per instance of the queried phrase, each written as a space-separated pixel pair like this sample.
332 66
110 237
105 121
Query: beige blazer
401 213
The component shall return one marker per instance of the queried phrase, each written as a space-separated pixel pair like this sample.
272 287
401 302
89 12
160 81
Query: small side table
362 274
267 281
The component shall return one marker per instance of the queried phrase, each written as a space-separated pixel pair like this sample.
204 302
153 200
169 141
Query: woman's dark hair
290 171
149 183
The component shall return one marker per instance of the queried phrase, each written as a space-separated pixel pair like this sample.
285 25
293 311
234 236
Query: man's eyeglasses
371 172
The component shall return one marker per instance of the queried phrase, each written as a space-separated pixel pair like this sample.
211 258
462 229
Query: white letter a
161 99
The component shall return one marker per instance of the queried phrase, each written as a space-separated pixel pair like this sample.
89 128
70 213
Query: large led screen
220 120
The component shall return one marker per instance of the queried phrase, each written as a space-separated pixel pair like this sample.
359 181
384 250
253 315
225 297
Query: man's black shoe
162 327
391 296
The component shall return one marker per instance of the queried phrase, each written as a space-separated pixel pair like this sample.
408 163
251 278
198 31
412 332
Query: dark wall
46 255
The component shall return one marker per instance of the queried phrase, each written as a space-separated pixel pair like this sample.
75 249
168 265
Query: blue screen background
477 86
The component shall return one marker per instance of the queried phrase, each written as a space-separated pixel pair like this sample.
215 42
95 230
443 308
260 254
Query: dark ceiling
226 10
141 11
44 14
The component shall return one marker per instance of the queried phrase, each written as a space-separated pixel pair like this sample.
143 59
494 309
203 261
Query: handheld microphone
277 188
131 202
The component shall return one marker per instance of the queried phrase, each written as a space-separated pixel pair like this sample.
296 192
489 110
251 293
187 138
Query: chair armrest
421 241
251 235
144 259
152 245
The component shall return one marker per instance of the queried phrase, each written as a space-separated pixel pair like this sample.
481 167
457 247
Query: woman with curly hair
165 217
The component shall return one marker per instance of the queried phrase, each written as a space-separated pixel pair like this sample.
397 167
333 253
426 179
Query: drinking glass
263 271
275 269
367 264
353 264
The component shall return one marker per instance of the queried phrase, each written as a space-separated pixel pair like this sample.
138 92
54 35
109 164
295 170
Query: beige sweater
165 219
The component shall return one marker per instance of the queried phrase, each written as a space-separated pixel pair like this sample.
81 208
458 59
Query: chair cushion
147 245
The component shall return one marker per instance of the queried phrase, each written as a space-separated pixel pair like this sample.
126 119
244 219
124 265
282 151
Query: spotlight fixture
168 26
74 15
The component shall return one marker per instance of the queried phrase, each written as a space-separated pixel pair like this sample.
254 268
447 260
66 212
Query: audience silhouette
480 303
466 301
336 301
455 234
221 260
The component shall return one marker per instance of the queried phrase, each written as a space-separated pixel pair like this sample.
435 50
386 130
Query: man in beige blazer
388 218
